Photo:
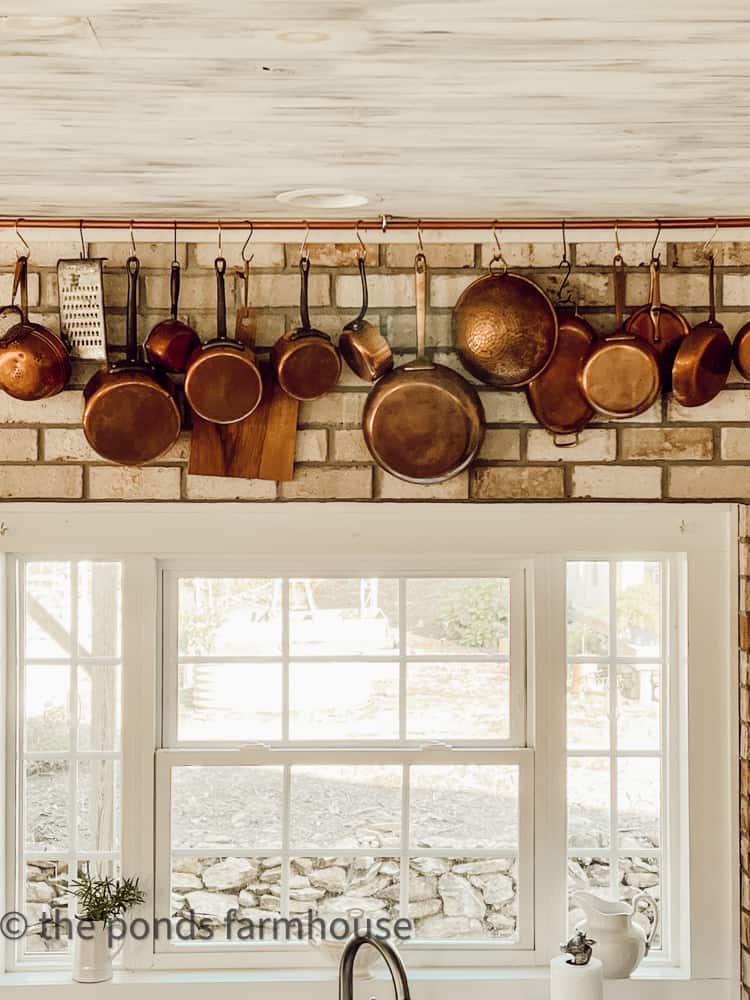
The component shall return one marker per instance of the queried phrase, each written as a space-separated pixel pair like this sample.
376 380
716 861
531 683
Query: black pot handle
174 287
363 277
220 266
131 333
304 270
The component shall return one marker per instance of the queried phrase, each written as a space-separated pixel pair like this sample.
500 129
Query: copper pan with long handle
171 342
701 366
660 325
423 422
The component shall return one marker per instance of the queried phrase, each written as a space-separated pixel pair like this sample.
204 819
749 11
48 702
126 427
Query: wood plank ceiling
463 108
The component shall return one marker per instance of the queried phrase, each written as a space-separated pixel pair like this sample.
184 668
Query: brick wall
667 453
744 632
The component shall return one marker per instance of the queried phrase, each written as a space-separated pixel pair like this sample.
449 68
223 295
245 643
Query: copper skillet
423 422
505 328
130 415
741 350
223 383
171 342
659 325
362 345
701 366
34 363
620 376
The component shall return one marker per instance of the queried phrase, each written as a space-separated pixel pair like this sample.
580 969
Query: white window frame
456 538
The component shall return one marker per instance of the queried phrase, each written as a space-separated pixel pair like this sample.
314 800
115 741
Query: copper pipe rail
384 223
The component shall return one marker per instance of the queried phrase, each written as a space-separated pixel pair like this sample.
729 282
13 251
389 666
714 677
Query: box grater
79 288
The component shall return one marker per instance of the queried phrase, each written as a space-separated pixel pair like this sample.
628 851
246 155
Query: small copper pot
171 342
362 345
704 358
34 363
306 361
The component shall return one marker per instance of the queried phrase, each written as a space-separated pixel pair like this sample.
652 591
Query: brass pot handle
655 297
420 289
618 272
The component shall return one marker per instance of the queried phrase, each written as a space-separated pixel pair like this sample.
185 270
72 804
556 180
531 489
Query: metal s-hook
362 253
497 256
617 240
709 241
384 224
564 262
245 245
218 238
83 244
26 248
420 244
132 241
303 254
174 246
654 254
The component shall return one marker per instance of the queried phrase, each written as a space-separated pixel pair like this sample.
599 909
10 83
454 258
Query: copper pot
306 361
620 376
661 326
701 366
423 422
223 383
741 350
505 328
362 345
171 342
34 363
130 413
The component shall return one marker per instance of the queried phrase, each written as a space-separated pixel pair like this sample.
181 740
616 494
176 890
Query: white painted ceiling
485 108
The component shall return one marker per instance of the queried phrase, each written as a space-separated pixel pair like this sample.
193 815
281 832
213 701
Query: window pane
47 603
46 708
332 887
343 617
99 608
588 706
638 706
226 806
588 802
464 806
345 806
47 798
338 701
458 700
638 797
99 709
455 617
638 608
98 805
467 898
229 701
211 886
637 875
229 616
588 608
45 895
586 875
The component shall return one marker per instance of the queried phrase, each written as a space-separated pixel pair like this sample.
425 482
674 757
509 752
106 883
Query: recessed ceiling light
322 198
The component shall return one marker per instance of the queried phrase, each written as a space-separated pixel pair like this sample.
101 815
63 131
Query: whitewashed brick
735 289
523 254
332 254
438 255
67 444
391 488
667 443
349 446
311 483
270 290
401 330
452 360
312 446
64 408
445 289
334 408
41 482
6 289
115 284
682 291
18 445
43 254
384 290
121 483
500 446
195 292
592 446
159 255
633 253
502 482
709 482
610 482
735 444
726 254
226 488
180 450
585 287
264 254
505 407
730 406
651 416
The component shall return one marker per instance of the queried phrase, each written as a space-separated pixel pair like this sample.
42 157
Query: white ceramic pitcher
621 945
92 954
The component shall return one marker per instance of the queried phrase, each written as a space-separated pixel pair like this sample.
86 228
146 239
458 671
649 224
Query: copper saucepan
34 363
701 366
423 422
661 326
741 350
620 376
223 383
171 342
505 328
130 414
362 345
307 363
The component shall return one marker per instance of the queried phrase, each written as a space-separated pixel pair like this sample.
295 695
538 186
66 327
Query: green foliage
105 898
473 613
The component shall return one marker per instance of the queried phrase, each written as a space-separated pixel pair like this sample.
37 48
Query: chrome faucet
390 956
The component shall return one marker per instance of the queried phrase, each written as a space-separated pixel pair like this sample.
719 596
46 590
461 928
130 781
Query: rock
424 908
430 866
390 868
270 863
303 865
331 879
248 899
364 864
372 888
270 902
495 889
459 898
309 894
271 875
642 880
39 892
501 922
484 867
189 866
420 887
338 905
212 904
35 874
298 881
34 913
234 873
450 927
185 882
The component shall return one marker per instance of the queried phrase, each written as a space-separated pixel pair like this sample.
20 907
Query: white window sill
320 984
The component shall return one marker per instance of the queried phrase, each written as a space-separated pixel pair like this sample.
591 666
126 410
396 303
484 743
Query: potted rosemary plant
100 900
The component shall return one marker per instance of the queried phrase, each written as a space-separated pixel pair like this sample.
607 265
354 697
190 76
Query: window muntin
617 724
69 723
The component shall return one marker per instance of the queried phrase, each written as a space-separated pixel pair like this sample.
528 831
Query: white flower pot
92 955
